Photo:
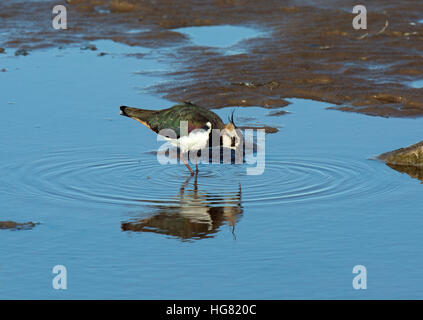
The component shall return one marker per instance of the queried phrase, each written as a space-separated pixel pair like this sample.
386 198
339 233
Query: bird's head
231 136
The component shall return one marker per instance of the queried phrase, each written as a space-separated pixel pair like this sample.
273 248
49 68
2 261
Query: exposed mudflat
301 49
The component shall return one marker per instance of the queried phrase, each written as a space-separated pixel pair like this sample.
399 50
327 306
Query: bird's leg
196 166
186 163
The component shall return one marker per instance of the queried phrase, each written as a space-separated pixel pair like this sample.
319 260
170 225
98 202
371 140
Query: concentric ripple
298 179
117 179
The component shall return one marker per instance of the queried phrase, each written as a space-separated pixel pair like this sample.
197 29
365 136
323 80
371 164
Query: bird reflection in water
198 214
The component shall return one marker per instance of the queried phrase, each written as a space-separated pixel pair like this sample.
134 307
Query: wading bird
200 120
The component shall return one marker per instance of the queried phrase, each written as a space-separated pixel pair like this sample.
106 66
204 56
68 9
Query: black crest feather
231 118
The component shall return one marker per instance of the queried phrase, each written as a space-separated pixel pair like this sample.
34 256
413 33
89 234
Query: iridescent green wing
196 116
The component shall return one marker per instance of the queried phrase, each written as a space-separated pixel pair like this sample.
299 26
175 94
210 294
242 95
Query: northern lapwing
200 120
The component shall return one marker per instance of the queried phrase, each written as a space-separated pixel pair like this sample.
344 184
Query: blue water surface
127 227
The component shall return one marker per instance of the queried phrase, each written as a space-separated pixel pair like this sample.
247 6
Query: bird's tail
141 115
137 114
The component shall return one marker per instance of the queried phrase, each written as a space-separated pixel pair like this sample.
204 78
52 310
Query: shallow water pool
224 38
126 227
417 84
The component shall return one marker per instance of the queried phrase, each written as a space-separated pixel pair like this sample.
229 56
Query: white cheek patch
226 141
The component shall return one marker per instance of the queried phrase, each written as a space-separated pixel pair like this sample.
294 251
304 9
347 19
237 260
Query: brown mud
309 48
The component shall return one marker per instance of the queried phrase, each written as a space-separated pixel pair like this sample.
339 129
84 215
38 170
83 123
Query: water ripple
116 179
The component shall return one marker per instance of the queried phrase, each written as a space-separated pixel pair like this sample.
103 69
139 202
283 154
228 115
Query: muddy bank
306 51
11 225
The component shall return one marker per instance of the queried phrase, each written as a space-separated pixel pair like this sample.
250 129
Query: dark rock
89 47
11 225
278 113
21 52
406 160
2 50
410 156
266 129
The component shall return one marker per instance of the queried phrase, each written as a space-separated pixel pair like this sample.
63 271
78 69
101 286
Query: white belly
196 140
